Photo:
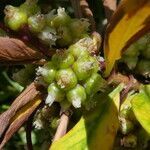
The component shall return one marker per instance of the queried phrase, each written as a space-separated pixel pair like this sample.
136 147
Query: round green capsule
36 22
94 84
48 36
54 94
48 72
77 96
78 51
62 59
14 18
84 67
66 79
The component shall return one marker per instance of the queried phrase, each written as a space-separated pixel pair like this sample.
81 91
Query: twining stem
110 6
62 128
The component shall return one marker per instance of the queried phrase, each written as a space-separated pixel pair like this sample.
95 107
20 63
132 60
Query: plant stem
62 128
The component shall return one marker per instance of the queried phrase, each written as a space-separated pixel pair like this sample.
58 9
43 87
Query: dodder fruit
54 94
77 96
62 59
14 18
85 66
66 79
36 22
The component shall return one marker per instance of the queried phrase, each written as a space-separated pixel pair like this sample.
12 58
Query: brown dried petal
22 116
29 94
14 50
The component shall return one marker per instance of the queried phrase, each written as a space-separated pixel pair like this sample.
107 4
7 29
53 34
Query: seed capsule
65 36
36 23
94 84
54 94
62 59
66 79
78 27
30 8
77 96
48 72
61 19
48 36
14 18
78 51
85 66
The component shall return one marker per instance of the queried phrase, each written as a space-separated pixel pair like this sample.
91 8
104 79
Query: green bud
48 72
65 36
14 18
66 79
78 51
48 36
84 67
36 23
94 84
77 96
30 8
62 59
61 19
54 94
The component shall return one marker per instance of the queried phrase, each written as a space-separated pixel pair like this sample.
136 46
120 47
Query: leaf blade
130 22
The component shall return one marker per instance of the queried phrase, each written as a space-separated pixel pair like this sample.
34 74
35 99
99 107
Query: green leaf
141 107
97 128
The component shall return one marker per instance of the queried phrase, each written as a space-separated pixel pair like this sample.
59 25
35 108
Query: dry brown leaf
19 119
14 50
29 94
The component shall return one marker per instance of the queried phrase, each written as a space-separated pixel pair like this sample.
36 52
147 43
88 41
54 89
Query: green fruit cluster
72 77
50 28
137 56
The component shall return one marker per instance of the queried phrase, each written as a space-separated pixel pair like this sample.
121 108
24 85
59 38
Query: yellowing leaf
21 116
141 107
130 22
97 128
